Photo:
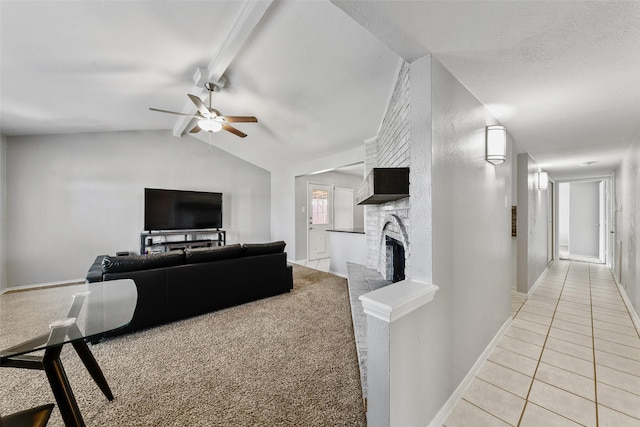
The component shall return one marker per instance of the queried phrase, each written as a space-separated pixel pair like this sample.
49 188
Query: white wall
532 225
460 241
584 234
283 191
627 187
72 197
3 216
330 178
471 223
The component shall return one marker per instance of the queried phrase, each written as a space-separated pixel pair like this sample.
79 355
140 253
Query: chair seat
34 417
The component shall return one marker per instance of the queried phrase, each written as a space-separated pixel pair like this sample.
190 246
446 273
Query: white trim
454 399
335 273
535 285
627 302
517 292
44 285
395 301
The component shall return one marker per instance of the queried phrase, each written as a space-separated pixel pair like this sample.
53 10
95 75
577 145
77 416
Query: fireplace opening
395 259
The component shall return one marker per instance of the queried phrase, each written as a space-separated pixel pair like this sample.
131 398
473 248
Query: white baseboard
630 308
450 404
535 285
44 285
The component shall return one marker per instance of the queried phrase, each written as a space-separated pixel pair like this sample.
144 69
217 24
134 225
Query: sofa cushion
120 264
214 253
263 248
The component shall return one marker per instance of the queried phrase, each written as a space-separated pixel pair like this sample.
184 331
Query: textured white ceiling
563 76
317 81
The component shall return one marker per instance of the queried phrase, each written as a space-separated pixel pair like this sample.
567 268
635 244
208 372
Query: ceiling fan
210 119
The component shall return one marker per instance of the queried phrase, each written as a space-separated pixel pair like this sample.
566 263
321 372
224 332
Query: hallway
570 357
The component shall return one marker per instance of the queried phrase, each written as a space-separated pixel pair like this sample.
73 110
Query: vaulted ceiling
564 77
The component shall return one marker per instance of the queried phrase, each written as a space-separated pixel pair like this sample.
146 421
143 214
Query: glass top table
48 318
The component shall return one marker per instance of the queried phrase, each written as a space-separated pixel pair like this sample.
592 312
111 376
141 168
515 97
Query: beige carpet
289 360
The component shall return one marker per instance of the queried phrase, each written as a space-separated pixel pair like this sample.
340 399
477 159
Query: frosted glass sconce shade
543 180
496 144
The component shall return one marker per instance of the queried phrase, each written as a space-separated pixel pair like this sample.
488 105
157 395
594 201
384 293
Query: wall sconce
496 144
543 180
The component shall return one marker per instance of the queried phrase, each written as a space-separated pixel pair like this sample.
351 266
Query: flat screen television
181 210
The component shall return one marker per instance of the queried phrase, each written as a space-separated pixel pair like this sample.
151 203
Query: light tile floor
318 264
570 357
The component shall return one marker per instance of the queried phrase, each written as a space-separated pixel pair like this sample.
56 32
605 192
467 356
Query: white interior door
320 209
343 208
564 205
602 223
584 228
550 222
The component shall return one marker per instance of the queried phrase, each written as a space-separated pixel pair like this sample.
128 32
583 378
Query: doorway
582 221
320 209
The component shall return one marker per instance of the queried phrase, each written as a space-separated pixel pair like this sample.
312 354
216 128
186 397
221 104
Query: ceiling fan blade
233 130
195 129
199 105
240 119
174 112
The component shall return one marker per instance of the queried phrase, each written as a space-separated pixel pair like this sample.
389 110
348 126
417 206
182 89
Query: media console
163 241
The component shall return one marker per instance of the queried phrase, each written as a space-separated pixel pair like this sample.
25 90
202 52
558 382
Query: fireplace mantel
398 299
383 185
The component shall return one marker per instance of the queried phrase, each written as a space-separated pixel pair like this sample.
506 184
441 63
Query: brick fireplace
390 149
393 249
395 260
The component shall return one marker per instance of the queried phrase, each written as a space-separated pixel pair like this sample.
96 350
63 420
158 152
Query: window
320 206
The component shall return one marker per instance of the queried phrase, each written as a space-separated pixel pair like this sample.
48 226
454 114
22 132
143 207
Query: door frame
309 213
604 244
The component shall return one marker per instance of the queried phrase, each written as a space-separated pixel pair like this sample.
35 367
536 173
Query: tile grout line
624 302
637 332
593 343
519 308
533 378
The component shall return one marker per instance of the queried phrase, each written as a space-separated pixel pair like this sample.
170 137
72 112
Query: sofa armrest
95 271
289 277
152 305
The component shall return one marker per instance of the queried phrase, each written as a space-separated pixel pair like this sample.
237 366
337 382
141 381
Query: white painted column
394 326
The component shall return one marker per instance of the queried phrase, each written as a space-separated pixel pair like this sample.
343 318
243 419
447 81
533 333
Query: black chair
34 417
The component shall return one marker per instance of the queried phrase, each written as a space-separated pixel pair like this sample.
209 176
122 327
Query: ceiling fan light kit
210 125
210 119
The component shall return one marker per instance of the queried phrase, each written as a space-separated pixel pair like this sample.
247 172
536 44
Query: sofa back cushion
121 264
215 253
250 249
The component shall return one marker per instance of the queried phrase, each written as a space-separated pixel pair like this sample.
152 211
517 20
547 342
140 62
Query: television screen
181 210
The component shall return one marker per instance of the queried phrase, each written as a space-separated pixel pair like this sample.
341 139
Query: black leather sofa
179 284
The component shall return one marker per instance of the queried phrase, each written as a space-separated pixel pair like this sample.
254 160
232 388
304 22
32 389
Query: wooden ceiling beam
250 15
